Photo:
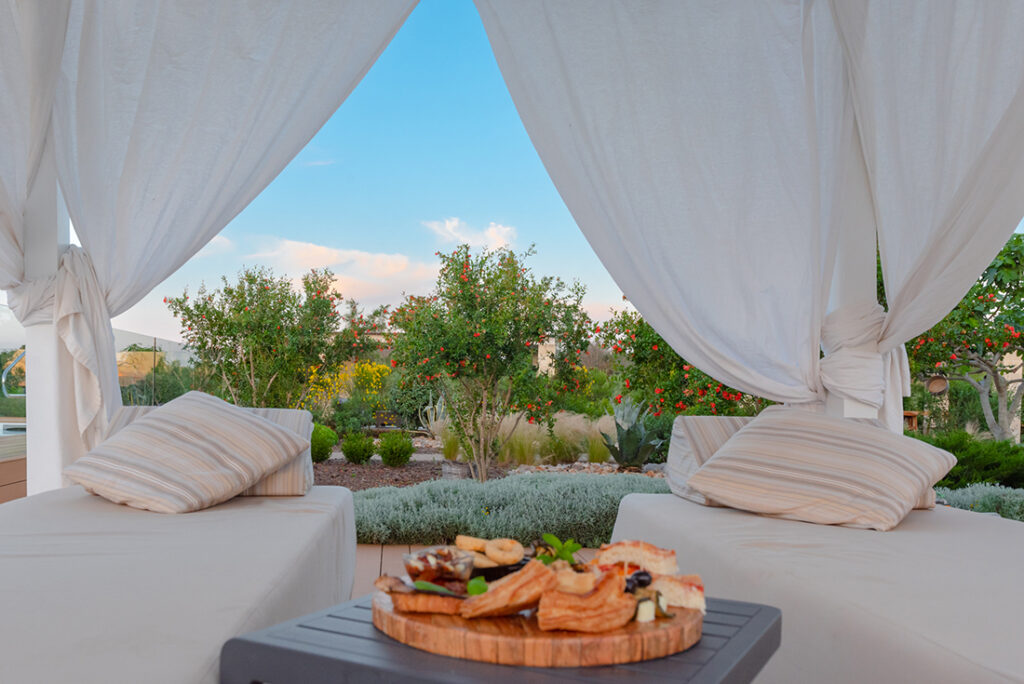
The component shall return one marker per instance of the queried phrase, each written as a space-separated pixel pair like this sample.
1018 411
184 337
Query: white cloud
319 162
371 278
218 245
455 230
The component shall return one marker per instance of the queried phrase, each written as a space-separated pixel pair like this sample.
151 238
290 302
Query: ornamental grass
523 507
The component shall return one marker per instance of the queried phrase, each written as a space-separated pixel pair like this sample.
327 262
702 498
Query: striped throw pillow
191 453
821 469
695 439
294 478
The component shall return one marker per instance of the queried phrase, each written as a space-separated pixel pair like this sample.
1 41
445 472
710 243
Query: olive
641 578
631 585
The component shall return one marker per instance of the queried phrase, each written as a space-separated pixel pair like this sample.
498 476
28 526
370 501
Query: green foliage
475 338
986 498
989 461
322 442
972 341
522 507
357 447
594 396
597 451
258 341
352 415
656 376
12 407
450 445
164 382
407 398
395 448
133 347
634 444
562 550
362 335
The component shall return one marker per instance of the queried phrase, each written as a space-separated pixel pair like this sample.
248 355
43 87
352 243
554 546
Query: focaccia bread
647 556
684 591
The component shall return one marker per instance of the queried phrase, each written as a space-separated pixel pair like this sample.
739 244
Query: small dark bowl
497 572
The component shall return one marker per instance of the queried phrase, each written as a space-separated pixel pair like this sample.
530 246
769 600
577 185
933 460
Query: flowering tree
476 336
258 341
980 340
657 377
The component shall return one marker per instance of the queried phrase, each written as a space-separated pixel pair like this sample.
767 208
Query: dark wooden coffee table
342 645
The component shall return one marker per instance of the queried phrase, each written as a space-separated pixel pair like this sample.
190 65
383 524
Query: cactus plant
634 443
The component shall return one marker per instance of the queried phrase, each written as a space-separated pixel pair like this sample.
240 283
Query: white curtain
713 152
31 42
939 93
169 118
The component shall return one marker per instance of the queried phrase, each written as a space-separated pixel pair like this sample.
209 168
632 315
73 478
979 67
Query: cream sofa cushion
695 439
191 453
821 469
292 479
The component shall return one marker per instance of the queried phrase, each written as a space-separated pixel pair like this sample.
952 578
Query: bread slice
654 560
684 591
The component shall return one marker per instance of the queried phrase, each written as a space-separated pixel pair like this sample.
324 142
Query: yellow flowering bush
367 380
325 387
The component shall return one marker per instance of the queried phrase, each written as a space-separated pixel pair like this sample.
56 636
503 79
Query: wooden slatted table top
342 645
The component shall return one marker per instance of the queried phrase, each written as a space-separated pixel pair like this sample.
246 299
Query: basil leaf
477 585
546 559
434 588
552 540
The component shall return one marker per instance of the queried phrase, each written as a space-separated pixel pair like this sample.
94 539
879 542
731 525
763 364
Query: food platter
517 640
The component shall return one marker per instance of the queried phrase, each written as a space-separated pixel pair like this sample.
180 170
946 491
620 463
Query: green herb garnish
433 588
477 585
563 550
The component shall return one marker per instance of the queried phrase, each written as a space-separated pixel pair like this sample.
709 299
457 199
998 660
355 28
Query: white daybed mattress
95 592
938 599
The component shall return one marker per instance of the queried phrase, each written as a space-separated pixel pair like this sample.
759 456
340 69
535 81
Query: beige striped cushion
822 469
695 439
292 479
191 453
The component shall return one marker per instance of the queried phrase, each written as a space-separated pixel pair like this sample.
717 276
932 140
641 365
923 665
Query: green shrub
12 407
986 498
321 444
352 415
521 507
979 460
597 452
395 449
449 445
406 396
357 447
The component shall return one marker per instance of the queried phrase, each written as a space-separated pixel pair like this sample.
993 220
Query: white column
47 364
854 277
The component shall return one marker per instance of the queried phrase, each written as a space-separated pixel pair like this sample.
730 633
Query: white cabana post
168 118
717 155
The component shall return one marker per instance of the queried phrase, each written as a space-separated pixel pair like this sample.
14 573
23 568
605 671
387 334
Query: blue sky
428 151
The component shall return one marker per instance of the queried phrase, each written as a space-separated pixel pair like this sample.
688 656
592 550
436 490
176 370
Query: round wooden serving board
516 640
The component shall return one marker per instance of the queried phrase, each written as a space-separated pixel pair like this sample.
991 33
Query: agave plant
634 444
434 416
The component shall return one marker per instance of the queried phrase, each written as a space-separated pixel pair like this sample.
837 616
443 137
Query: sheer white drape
169 118
939 93
31 42
712 152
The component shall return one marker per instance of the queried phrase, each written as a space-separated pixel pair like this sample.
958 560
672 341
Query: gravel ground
375 474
